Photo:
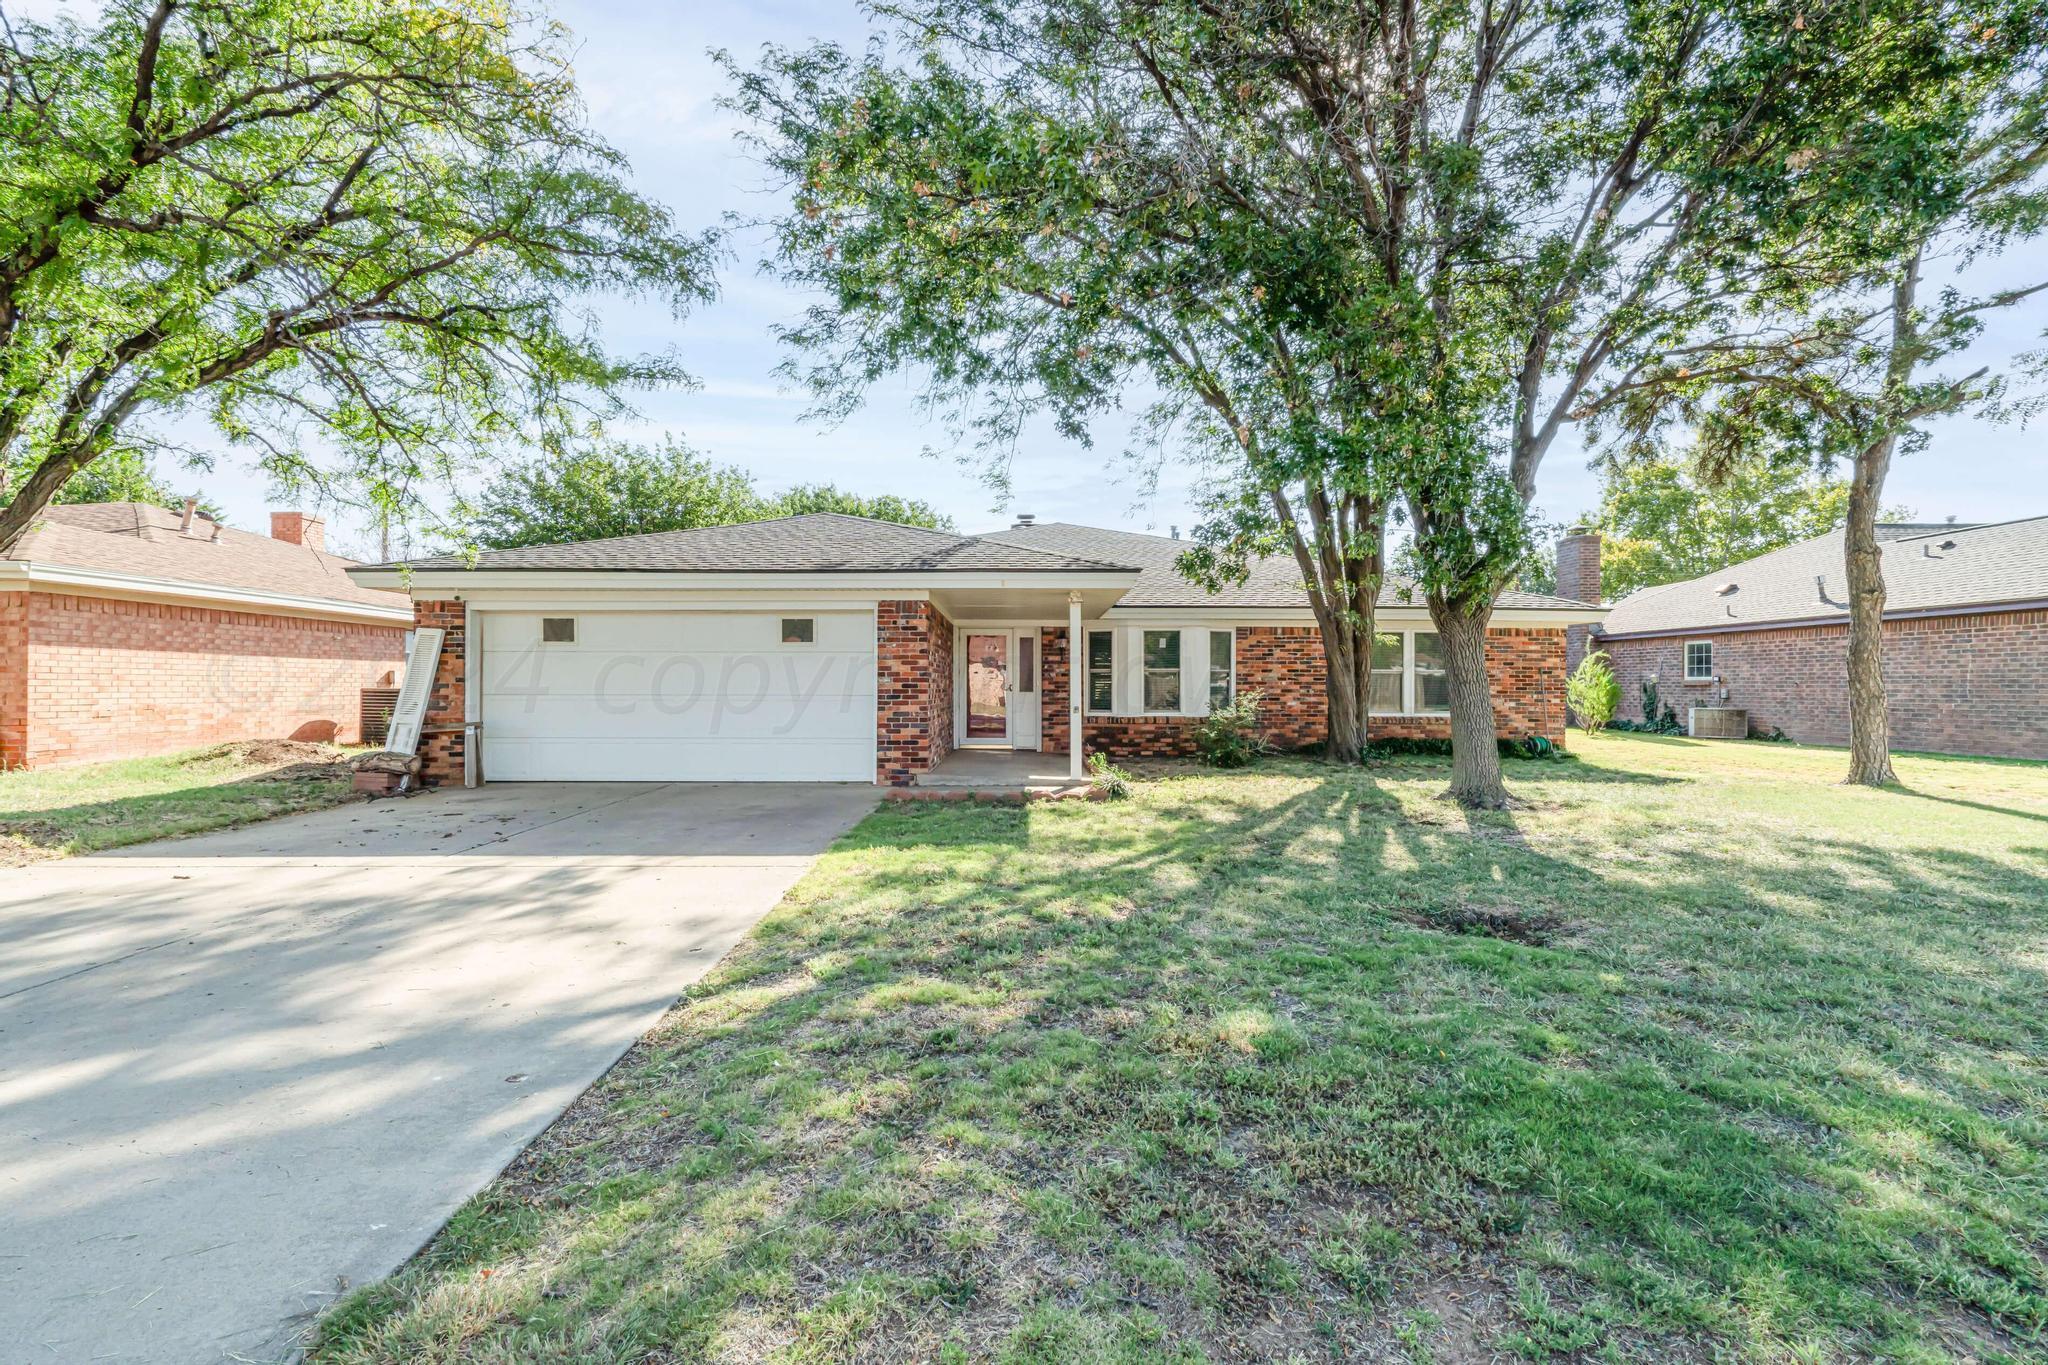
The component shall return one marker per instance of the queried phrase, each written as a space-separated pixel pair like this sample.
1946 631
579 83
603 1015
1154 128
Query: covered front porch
1011 707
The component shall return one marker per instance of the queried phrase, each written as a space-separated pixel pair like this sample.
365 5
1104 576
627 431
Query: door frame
1010 631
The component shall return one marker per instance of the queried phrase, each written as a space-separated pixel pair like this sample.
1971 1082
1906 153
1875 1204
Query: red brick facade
913 690
1284 664
914 693
443 741
1956 684
84 679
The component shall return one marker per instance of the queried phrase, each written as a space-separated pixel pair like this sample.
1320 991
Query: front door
988 689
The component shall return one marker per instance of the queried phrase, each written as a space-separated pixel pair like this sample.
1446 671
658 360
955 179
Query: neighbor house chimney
297 528
1578 565
1578 577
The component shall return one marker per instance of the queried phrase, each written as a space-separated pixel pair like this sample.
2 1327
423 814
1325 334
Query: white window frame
1411 692
1407 675
1685 656
1086 672
1179 670
1228 634
811 643
1413 686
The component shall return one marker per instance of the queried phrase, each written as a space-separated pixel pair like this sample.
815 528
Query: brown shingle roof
1274 582
1926 569
815 542
143 540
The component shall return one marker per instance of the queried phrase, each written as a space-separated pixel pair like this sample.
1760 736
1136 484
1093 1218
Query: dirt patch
30 841
1533 927
269 753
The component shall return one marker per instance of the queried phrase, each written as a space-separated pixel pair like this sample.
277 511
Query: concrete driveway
242 1071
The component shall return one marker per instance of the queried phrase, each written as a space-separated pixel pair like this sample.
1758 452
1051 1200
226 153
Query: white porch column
1077 680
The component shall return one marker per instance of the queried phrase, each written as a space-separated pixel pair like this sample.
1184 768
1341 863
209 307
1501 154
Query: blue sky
652 91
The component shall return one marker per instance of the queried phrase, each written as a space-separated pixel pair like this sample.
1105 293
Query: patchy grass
55 812
1696 1056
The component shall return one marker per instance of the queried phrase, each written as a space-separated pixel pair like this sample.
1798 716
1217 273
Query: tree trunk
1475 748
1345 742
37 491
1870 759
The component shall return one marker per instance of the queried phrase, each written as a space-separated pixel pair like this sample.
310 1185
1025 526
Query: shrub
1592 692
1228 736
1114 782
1527 746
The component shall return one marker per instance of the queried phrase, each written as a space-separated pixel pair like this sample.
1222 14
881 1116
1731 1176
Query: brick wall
913 690
1054 671
1285 665
1956 684
88 678
442 742
13 679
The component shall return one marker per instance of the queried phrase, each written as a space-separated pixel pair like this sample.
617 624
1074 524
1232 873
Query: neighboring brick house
128 630
1965 639
835 648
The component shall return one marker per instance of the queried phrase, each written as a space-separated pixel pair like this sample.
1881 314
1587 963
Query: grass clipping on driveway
53 812
1698 1055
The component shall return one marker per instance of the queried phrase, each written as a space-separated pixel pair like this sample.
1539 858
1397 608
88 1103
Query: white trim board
30 576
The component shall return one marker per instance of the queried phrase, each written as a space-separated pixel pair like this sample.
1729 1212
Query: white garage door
678 696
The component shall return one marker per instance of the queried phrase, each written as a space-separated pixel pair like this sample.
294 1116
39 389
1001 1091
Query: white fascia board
1504 617
22 575
451 583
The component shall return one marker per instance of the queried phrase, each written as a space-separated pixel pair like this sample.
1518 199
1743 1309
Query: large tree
825 497
616 488
1665 520
1385 246
611 488
1849 350
1041 231
349 235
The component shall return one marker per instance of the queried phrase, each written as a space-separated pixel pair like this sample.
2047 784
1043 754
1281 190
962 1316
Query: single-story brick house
1965 638
835 648
127 630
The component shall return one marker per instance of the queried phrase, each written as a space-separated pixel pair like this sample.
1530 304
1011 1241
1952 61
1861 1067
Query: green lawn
53 812
1696 1056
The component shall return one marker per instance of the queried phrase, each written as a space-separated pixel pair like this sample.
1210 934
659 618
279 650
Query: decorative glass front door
988 687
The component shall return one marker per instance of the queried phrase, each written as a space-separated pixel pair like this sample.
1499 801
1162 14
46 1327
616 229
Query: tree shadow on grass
1206 1070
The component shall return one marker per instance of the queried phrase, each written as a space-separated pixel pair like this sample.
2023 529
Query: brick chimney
1578 565
1578 577
296 528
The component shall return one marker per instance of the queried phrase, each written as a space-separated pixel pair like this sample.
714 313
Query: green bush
1526 746
1114 781
1228 736
1592 692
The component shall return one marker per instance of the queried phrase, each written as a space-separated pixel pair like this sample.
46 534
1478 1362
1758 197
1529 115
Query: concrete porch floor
999 770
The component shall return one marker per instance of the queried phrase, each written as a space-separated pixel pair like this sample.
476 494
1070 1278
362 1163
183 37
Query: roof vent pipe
185 526
1024 520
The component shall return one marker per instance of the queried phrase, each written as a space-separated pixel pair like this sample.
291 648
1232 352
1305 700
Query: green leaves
354 235
618 489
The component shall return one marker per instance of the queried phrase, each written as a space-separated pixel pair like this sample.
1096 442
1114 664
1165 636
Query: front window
1387 665
1432 682
1101 671
1221 668
1699 661
1162 670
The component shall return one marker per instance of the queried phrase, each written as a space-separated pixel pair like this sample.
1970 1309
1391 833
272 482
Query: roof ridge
1953 528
